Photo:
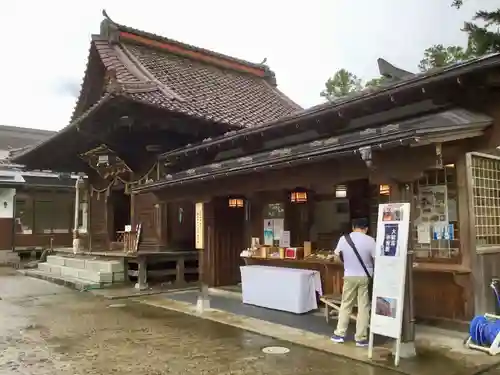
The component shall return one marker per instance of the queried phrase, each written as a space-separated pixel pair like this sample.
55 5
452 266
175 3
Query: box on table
274 252
294 253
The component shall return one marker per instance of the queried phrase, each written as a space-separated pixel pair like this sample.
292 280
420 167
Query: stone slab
118 277
98 277
69 272
50 268
104 265
55 259
73 283
77 273
74 263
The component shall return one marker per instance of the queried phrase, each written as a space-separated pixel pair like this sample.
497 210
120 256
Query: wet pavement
48 329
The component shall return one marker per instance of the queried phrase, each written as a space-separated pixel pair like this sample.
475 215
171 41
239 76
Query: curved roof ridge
108 26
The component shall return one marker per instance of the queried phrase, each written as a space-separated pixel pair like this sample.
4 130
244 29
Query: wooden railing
126 241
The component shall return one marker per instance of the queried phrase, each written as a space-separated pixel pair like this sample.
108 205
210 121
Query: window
44 215
486 198
52 216
24 216
435 228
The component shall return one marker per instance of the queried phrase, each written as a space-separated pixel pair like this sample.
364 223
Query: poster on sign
389 274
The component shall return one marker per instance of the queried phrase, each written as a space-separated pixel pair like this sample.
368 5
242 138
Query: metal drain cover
275 350
118 305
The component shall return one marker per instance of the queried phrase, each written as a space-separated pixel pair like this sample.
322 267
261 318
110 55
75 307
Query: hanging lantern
340 191
236 203
384 190
298 197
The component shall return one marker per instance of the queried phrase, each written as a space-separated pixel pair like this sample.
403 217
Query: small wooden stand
332 306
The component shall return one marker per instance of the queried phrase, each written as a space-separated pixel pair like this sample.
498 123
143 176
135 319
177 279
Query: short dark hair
360 223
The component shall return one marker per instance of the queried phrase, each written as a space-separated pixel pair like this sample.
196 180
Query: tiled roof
13 137
185 79
220 95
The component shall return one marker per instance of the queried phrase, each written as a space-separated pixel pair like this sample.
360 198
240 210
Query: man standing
357 252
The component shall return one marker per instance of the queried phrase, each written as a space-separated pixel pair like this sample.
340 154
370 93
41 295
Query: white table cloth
285 289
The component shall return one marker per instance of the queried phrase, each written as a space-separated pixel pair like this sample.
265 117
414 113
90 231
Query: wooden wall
224 241
98 222
180 228
6 232
61 200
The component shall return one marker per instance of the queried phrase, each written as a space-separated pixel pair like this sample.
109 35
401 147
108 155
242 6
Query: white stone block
69 272
44 267
55 269
54 259
98 277
104 265
75 263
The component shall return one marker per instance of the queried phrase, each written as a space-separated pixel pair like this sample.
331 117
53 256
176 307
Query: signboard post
389 276
203 301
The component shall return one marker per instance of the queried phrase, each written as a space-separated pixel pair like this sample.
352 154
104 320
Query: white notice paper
424 233
285 239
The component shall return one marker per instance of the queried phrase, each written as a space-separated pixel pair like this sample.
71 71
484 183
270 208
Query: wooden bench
332 306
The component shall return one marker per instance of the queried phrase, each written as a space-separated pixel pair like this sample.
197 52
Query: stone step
79 273
94 265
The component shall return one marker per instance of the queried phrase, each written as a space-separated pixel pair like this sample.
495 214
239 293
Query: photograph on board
386 306
390 243
392 212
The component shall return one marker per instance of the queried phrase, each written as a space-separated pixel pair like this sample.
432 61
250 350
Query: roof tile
211 92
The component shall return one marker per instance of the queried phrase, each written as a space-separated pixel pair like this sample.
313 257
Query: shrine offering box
260 252
275 253
294 253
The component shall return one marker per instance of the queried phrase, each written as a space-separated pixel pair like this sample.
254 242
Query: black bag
370 278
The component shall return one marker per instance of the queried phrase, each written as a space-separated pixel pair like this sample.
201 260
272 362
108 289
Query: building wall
6 217
43 218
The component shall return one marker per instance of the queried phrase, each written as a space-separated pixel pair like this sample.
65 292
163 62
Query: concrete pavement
49 329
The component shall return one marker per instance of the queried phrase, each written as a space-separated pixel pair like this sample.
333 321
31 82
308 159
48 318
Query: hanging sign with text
199 226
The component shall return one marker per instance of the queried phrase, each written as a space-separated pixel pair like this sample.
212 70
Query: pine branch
490 18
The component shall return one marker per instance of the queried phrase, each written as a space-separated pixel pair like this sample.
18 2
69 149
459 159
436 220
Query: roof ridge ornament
109 29
105 15
388 70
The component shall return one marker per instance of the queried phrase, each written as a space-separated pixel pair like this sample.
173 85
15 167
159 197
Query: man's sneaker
362 344
337 339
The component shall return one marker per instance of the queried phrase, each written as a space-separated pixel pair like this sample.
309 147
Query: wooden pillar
477 290
179 272
248 224
133 210
207 256
465 211
164 226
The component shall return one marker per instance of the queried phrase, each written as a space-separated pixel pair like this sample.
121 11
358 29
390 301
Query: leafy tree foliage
438 56
342 83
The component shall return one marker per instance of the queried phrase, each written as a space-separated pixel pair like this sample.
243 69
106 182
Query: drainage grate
275 350
118 305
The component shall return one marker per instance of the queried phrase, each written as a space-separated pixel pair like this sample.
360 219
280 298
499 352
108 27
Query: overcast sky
44 44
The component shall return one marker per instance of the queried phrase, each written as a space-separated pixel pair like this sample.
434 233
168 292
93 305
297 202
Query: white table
285 289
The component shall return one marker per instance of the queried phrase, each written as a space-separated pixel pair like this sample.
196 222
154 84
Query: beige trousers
354 287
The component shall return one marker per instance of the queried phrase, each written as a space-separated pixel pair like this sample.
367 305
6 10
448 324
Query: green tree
342 83
486 38
376 82
438 56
